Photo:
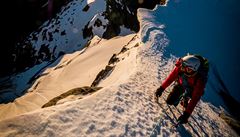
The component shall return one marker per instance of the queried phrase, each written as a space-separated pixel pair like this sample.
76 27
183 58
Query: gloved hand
183 119
159 91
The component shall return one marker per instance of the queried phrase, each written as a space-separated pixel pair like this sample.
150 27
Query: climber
190 75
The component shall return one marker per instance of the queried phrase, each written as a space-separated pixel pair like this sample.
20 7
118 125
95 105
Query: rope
154 129
194 130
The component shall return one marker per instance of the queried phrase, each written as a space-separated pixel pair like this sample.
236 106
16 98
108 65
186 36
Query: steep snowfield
66 29
73 70
125 105
62 34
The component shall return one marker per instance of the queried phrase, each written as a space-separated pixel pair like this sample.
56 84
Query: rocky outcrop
104 73
122 13
21 18
76 91
24 55
21 56
231 121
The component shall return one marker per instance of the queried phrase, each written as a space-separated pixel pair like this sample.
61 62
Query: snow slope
123 109
62 34
66 29
68 32
73 70
125 106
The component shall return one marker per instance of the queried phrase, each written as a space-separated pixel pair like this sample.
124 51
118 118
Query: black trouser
174 96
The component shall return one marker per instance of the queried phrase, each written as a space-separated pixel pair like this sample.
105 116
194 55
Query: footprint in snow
118 109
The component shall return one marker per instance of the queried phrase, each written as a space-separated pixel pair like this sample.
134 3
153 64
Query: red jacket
195 82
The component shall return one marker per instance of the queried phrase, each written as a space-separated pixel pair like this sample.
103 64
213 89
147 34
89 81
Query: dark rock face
86 8
76 91
20 18
125 14
26 56
122 13
28 15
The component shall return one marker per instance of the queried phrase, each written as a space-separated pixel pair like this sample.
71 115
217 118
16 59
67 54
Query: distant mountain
19 18
29 16
67 31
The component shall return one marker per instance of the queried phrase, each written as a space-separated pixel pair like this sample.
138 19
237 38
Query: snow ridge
205 120
126 107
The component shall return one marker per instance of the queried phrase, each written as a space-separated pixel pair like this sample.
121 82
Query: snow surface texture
61 34
73 70
125 107
66 29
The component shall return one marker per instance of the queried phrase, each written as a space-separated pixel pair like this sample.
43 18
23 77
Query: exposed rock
111 64
86 8
76 91
87 32
113 59
231 121
118 13
44 54
124 13
231 103
63 33
102 74
25 56
124 49
26 16
98 23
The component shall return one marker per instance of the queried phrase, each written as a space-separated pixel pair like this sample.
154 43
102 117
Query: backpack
203 69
